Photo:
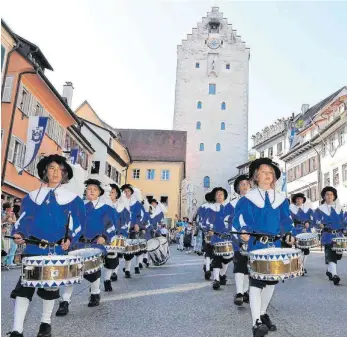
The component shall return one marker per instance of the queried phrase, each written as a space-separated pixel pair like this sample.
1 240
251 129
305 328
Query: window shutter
20 95
22 155
10 150
26 107
32 106
6 97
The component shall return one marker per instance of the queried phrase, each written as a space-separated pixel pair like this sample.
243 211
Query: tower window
198 125
217 147
213 27
201 148
222 126
223 106
207 182
197 65
199 105
212 89
227 66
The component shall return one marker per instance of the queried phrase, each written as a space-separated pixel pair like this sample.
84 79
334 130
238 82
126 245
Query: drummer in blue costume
302 216
44 215
99 229
263 210
329 217
218 218
241 187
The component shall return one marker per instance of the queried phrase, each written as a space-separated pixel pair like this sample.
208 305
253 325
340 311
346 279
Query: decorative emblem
37 134
213 43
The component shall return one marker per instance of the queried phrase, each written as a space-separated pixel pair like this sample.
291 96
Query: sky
121 55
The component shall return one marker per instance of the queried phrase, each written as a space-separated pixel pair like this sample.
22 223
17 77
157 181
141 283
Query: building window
212 89
227 66
164 200
324 149
24 102
206 182
108 169
199 106
279 148
342 137
136 173
3 51
149 198
270 152
198 125
201 148
150 174
16 152
197 65
38 109
262 155
332 144
336 178
344 172
165 175
313 166
223 106
222 126
314 193
327 179
218 147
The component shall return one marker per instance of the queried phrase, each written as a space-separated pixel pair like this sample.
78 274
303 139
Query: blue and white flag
284 182
36 132
73 155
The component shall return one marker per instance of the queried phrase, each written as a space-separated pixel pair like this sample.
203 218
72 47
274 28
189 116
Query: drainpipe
12 122
319 169
6 66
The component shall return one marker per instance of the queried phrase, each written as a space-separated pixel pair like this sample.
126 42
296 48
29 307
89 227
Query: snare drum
275 264
92 259
340 244
132 246
51 271
119 243
224 248
307 240
111 249
158 253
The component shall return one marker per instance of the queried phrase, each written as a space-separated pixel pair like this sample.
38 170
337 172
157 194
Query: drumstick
32 241
67 227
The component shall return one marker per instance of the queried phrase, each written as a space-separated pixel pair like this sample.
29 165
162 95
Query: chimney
304 108
68 92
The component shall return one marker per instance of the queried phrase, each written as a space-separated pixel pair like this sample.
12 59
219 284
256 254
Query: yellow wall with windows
159 187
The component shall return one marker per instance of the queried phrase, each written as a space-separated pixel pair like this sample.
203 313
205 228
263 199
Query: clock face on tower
213 43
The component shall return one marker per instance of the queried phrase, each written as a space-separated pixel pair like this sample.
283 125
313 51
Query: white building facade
211 102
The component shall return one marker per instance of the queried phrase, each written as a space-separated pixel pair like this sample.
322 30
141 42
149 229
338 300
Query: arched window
201 146
206 182
218 147
222 126
223 106
199 106
198 125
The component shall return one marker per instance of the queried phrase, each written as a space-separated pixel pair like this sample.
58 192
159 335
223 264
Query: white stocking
255 303
239 280
67 292
116 270
266 296
95 287
245 283
216 272
20 311
208 263
333 268
137 261
127 265
224 268
304 260
47 308
107 274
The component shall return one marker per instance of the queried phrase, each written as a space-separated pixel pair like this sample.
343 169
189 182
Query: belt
333 231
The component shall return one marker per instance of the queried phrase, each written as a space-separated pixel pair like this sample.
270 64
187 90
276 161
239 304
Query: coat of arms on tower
37 134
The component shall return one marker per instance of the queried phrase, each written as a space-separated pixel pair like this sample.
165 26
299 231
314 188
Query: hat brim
96 183
255 164
124 187
55 158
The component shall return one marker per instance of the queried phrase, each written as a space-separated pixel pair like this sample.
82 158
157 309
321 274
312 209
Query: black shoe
123 270
207 275
140 265
305 271
94 300
127 274
114 277
145 261
259 329
330 275
246 297
223 280
137 270
267 321
107 285
204 268
336 280
216 285
15 334
63 309
238 299
45 330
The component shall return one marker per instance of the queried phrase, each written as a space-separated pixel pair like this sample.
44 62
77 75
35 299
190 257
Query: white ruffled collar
295 209
62 195
97 203
257 197
325 208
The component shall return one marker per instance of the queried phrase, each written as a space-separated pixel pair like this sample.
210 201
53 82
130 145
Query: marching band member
218 218
263 210
241 187
44 215
99 228
329 216
302 216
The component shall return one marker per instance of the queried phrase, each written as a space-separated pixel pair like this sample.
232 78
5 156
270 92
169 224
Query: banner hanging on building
74 155
36 131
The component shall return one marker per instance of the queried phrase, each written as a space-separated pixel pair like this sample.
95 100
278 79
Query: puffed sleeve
285 218
26 218
77 220
208 219
317 218
110 219
242 220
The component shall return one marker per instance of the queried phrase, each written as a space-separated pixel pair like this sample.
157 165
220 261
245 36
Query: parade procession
228 220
